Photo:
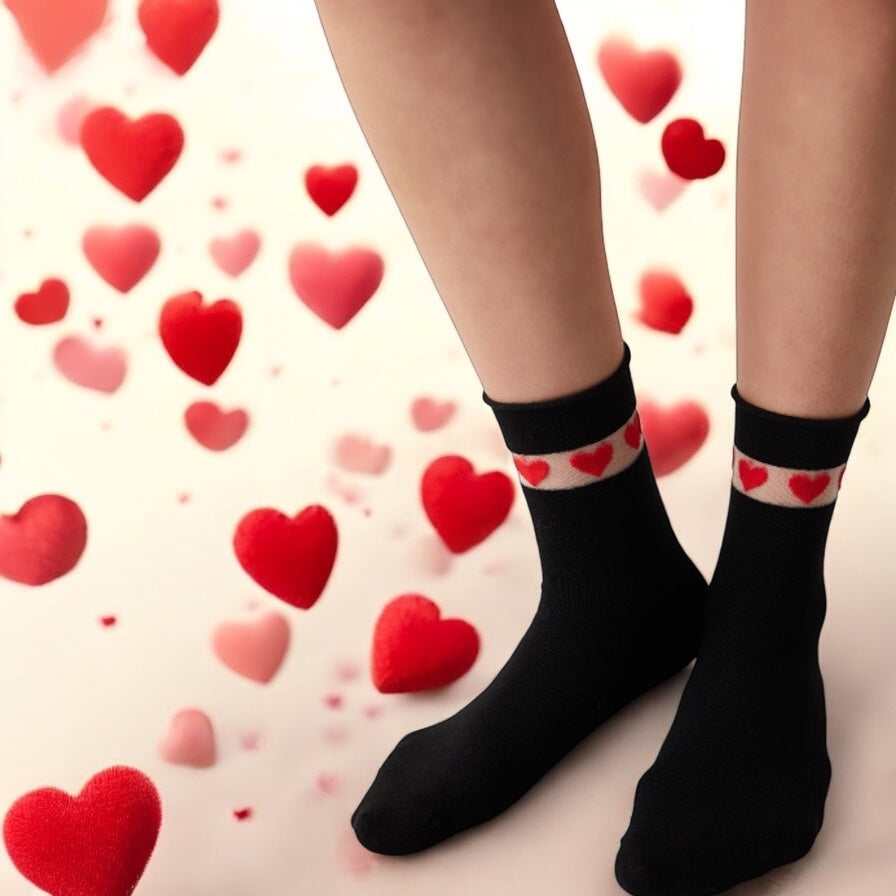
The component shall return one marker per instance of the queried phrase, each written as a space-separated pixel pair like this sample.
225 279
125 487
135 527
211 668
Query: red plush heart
178 30
673 435
335 286
415 650
290 558
43 541
95 844
214 429
134 156
46 306
102 369
643 81
200 340
54 29
464 508
807 488
122 256
751 475
688 153
665 304
331 188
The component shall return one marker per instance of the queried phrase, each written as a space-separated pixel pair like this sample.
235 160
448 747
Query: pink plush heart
335 286
234 255
214 429
190 740
82 364
673 435
661 190
122 256
358 454
70 116
429 414
253 649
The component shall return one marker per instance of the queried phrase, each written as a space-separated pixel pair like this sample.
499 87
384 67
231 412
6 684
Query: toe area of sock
636 875
379 830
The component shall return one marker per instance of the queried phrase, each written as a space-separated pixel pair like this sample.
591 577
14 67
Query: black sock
739 785
618 614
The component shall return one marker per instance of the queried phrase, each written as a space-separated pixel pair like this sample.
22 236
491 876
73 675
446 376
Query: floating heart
429 414
54 29
214 429
95 844
665 305
334 286
134 156
178 30
234 255
643 81
660 190
70 117
331 188
46 306
416 650
43 541
253 649
190 740
464 508
360 455
200 340
93 368
673 435
688 153
290 558
122 256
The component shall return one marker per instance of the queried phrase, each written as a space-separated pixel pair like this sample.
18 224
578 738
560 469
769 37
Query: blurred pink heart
360 455
213 428
253 649
660 190
190 740
70 116
80 363
429 414
122 256
234 255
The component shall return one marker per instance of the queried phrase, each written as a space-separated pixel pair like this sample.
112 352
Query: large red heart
46 306
200 340
122 256
54 29
134 156
665 304
415 650
331 188
43 541
688 153
334 286
290 558
673 435
214 429
102 369
95 844
464 508
643 81
178 30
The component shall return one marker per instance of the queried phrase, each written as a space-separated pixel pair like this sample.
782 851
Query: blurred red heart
665 304
134 156
688 153
200 340
464 508
43 541
331 187
80 363
95 844
234 255
643 81
214 429
672 435
415 650
335 286
122 256
290 558
178 30
46 306
54 29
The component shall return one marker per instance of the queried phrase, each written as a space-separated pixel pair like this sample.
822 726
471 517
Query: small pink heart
213 428
253 649
429 414
190 740
661 190
70 116
122 256
360 455
82 364
234 255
